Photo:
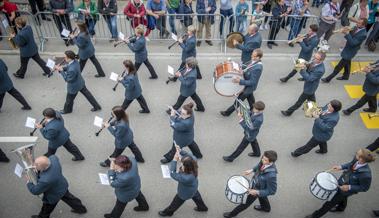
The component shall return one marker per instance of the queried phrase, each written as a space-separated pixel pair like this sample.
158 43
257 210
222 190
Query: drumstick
242 184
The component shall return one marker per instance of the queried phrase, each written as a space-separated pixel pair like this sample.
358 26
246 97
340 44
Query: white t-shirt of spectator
330 10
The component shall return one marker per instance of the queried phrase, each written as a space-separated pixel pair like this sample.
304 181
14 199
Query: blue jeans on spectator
91 26
171 19
226 14
112 24
295 27
241 25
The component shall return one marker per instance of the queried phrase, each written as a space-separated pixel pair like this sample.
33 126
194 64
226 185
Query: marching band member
252 41
54 187
312 77
139 48
263 184
251 78
355 178
124 178
184 133
322 130
24 39
308 44
354 39
6 85
187 183
120 129
75 83
187 78
3 157
371 89
250 133
53 130
132 88
86 49
374 146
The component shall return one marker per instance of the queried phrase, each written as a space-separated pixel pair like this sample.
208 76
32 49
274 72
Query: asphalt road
216 136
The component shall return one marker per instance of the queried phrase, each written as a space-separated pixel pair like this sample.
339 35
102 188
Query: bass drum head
327 181
224 86
235 186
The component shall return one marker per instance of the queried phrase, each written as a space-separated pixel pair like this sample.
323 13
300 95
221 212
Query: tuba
26 154
310 107
244 109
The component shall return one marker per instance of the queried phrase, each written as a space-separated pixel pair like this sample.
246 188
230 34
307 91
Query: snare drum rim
214 85
318 184
226 187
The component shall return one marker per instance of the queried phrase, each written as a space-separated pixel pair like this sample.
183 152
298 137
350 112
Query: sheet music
5 23
121 36
147 39
50 63
174 37
65 33
104 179
98 121
30 122
170 70
165 171
113 76
18 170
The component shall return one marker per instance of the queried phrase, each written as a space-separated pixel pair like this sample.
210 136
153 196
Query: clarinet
32 132
51 72
98 132
170 79
184 37
118 82
68 42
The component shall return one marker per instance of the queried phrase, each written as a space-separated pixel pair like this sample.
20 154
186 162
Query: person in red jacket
135 10
10 11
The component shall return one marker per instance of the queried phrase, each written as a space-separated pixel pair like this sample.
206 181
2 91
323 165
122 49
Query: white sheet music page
65 33
174 37
98 121
30 122
50 63
170 70
165 171
104 179
113 76
235 66
121 36
18 170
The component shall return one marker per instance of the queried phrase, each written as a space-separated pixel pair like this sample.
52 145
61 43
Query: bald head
253 28
42 163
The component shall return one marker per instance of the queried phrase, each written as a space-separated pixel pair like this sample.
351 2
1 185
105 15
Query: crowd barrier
105 27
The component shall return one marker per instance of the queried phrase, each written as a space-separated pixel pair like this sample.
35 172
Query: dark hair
129 64
271 155
314 27
120 113
367 155
124 162
82 27
259 105
259 52
70 54
190 166
188 107
336 105
49 112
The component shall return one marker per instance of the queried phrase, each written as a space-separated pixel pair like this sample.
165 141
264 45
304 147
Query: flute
172 78
122 75
98 132
32 132
130 38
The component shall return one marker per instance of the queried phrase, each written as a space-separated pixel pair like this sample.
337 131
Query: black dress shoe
18 76
45 74
99 75
77 158
290 44
325 80
164 161
153 77
79 211
293 154
144 111
259 208
300 79
269 46
200 210
103 164
227 159
341 78
335 210
283 80
252 154
95 109
275 44
286 113
227 215
346 112
199 110
368 110
4 159
108 215
26 108
209 42
138 208
140 160
224 113
318 151
161 213
375 212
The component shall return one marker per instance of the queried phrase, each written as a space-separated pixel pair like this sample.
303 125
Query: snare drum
324 186
222 79
236 190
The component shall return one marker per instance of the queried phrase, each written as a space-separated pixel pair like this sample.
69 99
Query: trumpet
184 37
32 132
130 38
372 67
118 82
98 132
297 39
343 29
373 115
172 78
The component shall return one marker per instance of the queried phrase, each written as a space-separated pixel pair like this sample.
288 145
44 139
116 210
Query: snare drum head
327 181
225 87
235 186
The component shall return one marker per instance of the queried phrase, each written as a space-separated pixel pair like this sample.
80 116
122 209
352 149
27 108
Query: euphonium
244 109
26 154
310 107
300 64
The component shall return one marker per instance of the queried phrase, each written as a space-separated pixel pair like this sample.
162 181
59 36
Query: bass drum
222 79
